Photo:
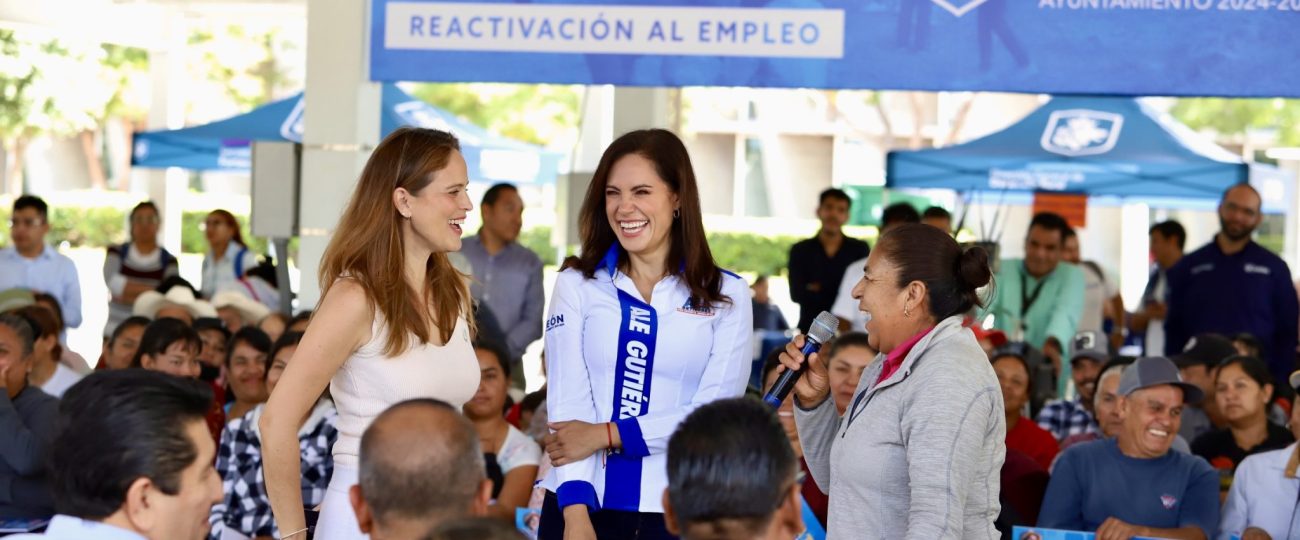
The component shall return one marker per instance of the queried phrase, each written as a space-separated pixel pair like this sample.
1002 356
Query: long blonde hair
367 245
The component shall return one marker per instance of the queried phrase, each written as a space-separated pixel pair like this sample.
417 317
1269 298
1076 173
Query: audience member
31 263
245 510
816 499
123 343
212 354
817 264
989 339
1038 300
300 321
136 267
132 460
1023 434
66 356
27 425
246 363
228 259
1198 365
732 475
177 303
1235 285
1246 344
274 324
1167 241
1106 408
767 316
938 217
845 306
1101 298
171 346
1066 417
237 309
421 465
45 371
849 355
475 529
510 457
1133 485
507 275
1262 501
1242 388
17 297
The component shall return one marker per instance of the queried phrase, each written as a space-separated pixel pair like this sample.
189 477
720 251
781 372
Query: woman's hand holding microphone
814 386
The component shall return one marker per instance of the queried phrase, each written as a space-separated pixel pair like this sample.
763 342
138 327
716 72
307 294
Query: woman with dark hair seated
245 509
27 425
1242 389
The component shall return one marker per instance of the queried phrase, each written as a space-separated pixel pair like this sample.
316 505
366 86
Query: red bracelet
609 432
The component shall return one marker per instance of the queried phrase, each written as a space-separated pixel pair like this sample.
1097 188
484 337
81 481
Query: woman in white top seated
1265 494
510 456
391 324
644 327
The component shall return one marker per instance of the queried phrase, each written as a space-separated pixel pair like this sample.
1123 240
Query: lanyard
1028 301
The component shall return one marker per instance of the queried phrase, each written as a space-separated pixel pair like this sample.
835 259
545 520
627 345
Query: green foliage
535 113
538 239
243 61
737 252
49 86
751 253
1237 116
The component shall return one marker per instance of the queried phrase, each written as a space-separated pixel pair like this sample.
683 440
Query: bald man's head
420 464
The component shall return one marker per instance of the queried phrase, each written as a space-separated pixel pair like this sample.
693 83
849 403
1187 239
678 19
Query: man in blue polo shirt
1132 484
1234 285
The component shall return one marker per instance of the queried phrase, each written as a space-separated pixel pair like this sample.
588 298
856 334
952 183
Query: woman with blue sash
644 327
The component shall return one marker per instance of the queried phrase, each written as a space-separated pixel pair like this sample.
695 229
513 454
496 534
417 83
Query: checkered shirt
1064 418
246 507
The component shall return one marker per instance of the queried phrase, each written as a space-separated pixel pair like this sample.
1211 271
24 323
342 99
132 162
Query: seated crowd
159 438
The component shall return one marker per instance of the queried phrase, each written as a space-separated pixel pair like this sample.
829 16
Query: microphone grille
823 327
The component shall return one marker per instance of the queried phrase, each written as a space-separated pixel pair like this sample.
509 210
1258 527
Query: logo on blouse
1168 501
1207 267
554 322
696 308
1258 269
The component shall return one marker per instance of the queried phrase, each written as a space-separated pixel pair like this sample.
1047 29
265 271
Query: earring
907 312
677 212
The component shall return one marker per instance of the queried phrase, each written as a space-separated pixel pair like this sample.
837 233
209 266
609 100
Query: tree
46 87
538 114
1234 117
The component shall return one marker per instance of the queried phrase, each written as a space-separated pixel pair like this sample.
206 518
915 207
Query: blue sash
632 376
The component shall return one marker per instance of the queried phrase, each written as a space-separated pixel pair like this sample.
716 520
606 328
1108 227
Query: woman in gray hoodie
918 452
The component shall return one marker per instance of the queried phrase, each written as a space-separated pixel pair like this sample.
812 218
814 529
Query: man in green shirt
1038 299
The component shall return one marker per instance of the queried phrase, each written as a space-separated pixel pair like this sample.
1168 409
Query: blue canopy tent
1091 145
224 145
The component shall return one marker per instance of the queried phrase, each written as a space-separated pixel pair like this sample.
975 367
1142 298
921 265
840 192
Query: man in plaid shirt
1066 417
245 512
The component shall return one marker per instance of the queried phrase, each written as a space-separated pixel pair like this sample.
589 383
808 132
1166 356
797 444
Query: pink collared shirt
894 359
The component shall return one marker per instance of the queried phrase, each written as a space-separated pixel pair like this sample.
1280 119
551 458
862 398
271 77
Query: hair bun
973 270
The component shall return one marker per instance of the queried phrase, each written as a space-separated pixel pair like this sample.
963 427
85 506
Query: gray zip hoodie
918 456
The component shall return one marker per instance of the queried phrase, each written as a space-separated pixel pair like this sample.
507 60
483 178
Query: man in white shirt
845 307
1262 501
1167 241
134 459
30 263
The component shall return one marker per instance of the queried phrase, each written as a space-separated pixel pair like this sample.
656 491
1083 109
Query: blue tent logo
1081 132
958 7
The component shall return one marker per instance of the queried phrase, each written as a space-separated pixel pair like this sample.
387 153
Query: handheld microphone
820 332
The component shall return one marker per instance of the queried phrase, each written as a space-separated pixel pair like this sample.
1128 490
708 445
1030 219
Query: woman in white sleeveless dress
391 324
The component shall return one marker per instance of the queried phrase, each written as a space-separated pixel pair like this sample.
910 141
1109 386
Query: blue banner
1126 47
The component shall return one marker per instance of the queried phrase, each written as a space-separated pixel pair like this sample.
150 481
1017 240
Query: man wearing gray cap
1133 485
1064 418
